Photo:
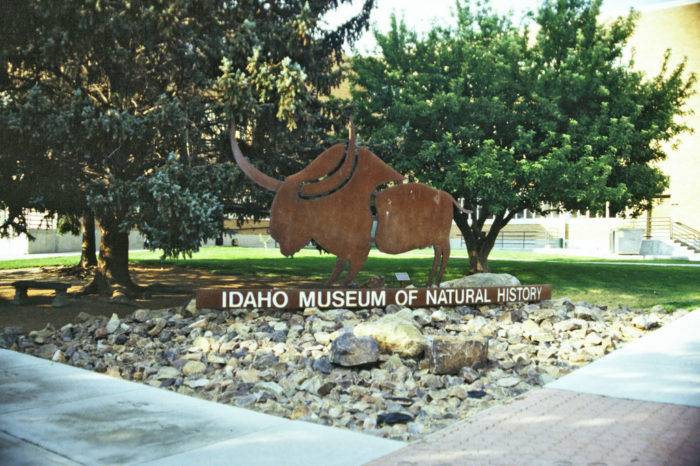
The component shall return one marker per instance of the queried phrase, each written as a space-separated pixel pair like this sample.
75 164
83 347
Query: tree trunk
479 243
112 276
88 258
479 256
114 256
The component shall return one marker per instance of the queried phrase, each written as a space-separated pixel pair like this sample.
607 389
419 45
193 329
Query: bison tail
459 207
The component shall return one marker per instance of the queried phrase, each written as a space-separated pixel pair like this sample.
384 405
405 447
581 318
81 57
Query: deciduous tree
548 114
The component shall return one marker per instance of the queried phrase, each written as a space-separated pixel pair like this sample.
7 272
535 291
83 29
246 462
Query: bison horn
351 132
248 168
337 177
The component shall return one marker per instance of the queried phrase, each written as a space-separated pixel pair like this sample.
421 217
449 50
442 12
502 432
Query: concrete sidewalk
663 367
52 413
639 405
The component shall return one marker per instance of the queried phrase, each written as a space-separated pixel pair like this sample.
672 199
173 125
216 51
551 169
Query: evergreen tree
120 109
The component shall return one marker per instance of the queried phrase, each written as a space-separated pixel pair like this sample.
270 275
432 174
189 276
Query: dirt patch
38 312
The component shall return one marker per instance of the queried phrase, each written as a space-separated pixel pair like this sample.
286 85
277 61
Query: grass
38 262
633 285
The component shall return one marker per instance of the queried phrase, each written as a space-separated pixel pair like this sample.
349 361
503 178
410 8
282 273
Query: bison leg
339 264
436 260
356 264
445 257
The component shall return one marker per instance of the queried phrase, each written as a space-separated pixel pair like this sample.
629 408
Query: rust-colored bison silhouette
329 202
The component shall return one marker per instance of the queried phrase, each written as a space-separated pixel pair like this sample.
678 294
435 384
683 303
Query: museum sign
274 298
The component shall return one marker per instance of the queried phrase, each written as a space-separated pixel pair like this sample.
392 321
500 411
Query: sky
421 14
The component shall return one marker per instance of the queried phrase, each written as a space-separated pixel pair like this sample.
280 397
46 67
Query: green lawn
578 278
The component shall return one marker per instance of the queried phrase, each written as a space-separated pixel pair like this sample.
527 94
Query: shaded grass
632 285
39 262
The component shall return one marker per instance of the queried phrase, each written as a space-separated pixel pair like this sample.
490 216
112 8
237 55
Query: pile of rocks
394 372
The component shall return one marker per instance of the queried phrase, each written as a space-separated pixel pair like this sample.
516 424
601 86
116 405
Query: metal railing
685 235
523 240
655 227
665 228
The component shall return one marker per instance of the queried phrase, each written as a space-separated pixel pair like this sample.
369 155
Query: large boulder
395 333
447 355
349 350
482 279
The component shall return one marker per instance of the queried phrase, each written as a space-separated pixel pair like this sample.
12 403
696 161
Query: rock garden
394 372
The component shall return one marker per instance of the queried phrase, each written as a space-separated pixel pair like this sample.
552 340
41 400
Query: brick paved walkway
637 406
562 427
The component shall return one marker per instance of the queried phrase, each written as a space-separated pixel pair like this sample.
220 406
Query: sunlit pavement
52 413
639 405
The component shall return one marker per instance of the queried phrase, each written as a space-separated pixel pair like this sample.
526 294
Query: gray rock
167 372
539 315
482 279
349 350
113 324
248 376
569 324
466 310
587 313
646 321
197 383
140 315
447 355
507 382
322 365
272 388
421 317
47 351
40 336
469 374
191 308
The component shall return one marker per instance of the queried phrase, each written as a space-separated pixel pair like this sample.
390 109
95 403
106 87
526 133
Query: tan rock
194 368
201 344
395 333
248 376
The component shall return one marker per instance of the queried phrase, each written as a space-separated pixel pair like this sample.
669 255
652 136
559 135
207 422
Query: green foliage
509 120
176 208
97 96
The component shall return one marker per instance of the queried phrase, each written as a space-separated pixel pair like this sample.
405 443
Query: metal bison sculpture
329 202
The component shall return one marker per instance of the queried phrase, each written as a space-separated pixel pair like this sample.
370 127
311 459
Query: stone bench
61 289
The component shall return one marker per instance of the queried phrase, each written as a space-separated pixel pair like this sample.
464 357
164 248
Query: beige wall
677 29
